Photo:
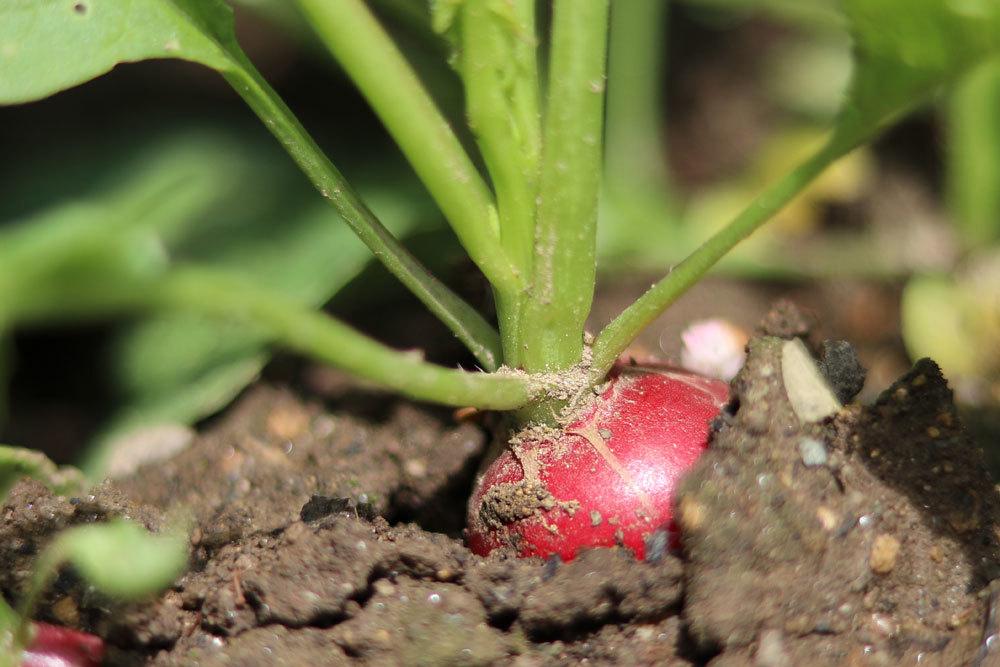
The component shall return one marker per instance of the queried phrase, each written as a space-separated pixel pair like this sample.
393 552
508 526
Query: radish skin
56 646
607 479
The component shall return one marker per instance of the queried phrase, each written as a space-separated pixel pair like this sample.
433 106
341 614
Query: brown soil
331 537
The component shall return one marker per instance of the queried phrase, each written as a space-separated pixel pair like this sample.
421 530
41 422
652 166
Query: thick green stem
501 89
620 333
499 69
387 81
325 339
563 275
468 325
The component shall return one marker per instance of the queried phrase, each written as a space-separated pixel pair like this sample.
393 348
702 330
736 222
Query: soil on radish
328 537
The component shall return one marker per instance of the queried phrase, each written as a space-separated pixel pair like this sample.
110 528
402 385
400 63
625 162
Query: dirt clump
877 553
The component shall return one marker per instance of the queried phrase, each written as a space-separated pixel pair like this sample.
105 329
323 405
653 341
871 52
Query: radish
606 479
56 646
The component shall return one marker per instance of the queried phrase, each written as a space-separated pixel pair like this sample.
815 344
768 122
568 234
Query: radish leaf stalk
634 165
620 333
562 286
389 84
467 324
497 62
495 46
324 338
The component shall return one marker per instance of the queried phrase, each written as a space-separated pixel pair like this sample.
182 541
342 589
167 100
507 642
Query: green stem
973 167
468 325
620 333
563 275
499 69
221 295
387 81
10 648
634 161
325 339
43 573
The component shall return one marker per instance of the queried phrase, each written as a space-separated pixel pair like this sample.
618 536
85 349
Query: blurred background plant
710 100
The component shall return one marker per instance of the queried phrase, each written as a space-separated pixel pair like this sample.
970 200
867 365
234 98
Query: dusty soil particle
885 550
505 503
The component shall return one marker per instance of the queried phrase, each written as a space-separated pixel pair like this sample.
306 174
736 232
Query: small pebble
806 388
827 518
656 546
885 550
383 587
552 564
771 650
813 452
415 468
714 348
287 422
842 369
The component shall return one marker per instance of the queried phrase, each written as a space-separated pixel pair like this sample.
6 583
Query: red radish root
607 479
55 646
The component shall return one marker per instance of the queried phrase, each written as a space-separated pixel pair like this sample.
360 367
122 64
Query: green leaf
906 50
50 45
120 558
17 463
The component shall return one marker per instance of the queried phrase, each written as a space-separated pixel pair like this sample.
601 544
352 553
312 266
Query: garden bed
327 531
